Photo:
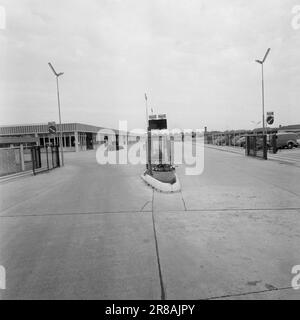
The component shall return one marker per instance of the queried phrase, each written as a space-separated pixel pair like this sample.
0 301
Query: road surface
88 231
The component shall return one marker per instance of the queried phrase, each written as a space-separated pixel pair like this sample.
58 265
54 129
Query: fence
44 159
256 146
20 159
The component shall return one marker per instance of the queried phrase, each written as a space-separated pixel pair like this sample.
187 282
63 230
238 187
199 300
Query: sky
195 59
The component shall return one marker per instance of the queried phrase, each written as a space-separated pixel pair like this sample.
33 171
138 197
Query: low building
10 142
292 128
75 136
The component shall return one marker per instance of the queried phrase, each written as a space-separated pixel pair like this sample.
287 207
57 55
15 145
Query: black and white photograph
150 151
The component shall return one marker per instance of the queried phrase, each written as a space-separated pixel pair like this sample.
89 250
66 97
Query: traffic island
162 178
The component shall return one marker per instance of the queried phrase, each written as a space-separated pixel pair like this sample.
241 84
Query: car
220 141
286 140
241 142
235 140
298 139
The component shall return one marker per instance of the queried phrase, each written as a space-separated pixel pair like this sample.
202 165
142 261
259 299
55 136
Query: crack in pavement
184 205
162 288
248 293
143 207
20 215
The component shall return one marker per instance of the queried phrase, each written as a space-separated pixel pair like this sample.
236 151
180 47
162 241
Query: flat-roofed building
291 128
9 142
76 136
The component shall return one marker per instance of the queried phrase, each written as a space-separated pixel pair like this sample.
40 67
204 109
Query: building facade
75 136
292 128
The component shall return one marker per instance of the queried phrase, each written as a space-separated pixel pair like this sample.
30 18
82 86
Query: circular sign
52 129
270 119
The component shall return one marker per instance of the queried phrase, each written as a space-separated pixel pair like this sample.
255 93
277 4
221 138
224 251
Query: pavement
89 231
287 156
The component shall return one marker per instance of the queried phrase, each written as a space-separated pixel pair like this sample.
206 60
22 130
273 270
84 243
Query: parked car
241 142
286 140
298 139
235 140
220 141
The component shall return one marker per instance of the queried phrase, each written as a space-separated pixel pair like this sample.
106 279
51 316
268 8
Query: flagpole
146 104
148 138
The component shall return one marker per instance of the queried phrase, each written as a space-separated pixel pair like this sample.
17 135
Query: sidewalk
238 150
290 157
22 174
85 232
14 176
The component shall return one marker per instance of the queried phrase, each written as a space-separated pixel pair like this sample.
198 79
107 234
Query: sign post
52 131
270 117
52 127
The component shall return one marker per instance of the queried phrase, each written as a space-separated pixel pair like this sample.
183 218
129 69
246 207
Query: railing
20 159
44 159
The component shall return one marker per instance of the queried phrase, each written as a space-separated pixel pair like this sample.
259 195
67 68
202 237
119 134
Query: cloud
194 58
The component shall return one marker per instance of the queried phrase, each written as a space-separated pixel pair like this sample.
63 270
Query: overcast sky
194 58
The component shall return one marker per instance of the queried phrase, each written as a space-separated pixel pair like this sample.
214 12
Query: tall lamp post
261 62
57 75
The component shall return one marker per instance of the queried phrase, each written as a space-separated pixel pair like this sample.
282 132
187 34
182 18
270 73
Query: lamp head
265 57
52 68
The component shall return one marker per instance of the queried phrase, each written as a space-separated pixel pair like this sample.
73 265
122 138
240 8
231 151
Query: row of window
68 141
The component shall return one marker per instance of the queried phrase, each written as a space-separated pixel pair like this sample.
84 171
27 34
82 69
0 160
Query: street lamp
57 75
255 124
261 62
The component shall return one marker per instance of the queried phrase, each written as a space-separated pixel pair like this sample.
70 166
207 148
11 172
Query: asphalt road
88 231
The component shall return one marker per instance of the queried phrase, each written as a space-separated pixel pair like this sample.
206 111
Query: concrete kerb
20 175
161 186
236 151
290 162
15 176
